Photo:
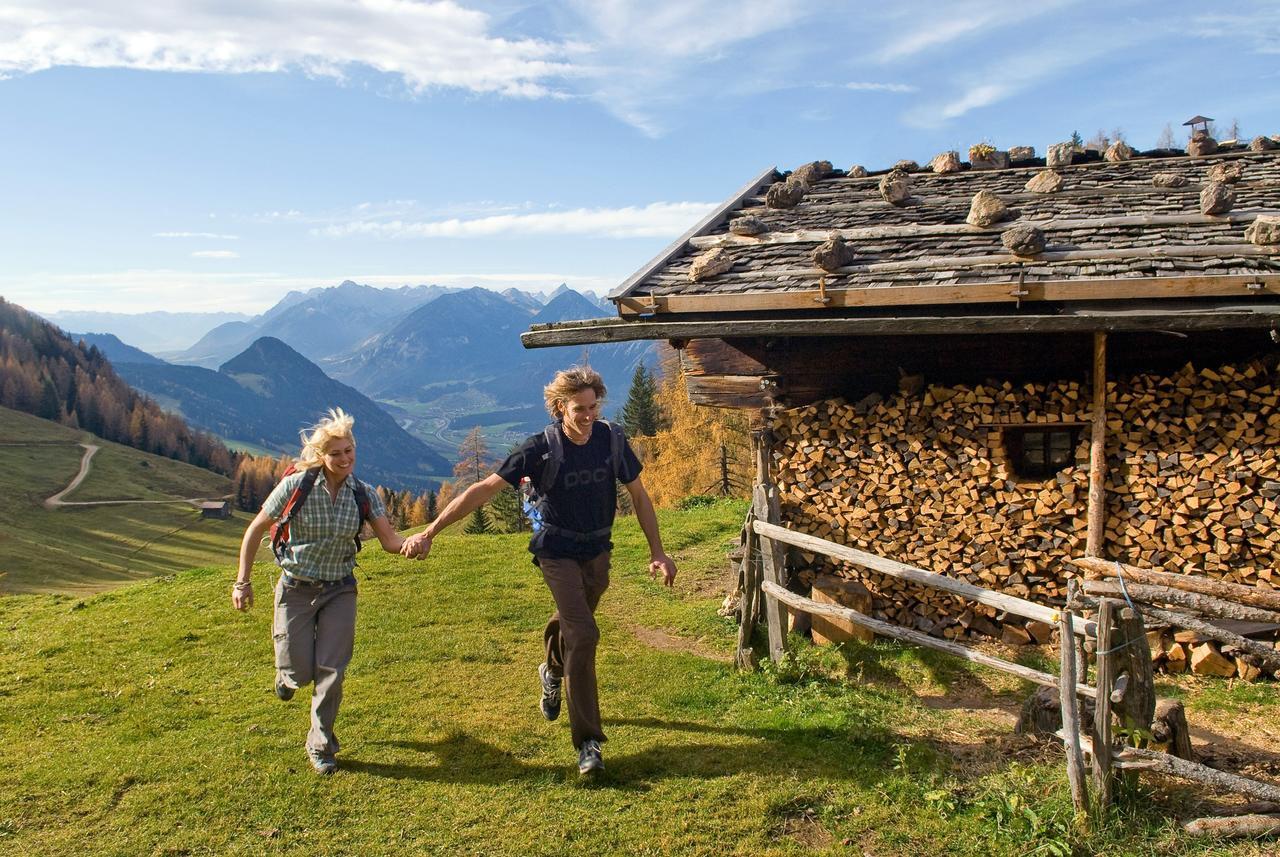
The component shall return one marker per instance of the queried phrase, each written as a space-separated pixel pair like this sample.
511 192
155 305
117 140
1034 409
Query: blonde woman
315 516
573 467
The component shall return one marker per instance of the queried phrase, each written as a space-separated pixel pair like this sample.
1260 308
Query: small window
1038 453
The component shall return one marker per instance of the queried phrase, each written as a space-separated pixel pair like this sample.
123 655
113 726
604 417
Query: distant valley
438 361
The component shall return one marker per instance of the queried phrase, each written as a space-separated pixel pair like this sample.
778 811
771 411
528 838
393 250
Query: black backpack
551 461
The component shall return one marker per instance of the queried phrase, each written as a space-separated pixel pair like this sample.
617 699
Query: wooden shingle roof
1108 221
1112 234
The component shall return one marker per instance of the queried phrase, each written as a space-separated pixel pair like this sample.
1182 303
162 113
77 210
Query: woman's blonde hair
568 383
337 424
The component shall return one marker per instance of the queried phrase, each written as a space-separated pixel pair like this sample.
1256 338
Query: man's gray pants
315 631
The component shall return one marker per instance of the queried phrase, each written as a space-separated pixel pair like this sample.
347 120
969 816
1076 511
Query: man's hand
417 546
242 596
666 565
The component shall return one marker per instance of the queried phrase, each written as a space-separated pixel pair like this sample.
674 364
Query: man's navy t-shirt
584 496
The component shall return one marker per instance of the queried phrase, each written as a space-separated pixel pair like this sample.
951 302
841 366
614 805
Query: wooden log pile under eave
1193 484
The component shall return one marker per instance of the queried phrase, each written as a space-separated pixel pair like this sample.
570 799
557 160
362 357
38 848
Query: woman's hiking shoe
589 759
550 703
322 762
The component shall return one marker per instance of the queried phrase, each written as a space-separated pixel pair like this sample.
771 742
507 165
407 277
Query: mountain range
437 360
153 332
266 394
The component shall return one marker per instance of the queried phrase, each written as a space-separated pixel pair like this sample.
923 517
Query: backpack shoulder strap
554 457
362 499
363 505
280 529
617 447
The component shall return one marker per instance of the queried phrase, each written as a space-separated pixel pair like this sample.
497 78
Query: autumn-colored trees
42 372
696 450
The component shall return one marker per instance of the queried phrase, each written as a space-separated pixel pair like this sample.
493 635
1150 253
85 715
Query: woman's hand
242 595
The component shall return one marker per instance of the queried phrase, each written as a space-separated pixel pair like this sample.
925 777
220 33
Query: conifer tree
640 413
432 506
507 511
478 523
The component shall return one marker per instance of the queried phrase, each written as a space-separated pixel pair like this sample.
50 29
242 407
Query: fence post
1106 679
1071 714
765 502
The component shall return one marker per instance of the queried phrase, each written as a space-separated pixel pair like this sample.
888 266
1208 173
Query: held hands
417 546
666 565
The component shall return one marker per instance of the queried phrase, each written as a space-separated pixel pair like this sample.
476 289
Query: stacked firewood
923 477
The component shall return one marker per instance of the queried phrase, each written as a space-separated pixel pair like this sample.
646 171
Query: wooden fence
1124 690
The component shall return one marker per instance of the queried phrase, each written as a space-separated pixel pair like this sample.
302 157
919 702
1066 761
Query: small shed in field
215 509
987 369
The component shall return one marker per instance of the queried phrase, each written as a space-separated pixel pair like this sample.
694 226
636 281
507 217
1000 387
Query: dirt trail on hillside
91 449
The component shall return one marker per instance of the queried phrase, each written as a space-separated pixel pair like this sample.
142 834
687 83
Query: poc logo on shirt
587 477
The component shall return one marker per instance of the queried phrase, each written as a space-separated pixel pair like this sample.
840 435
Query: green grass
88 548
141 721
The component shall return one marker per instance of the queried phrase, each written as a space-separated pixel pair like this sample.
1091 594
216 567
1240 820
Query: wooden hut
220 509
988 369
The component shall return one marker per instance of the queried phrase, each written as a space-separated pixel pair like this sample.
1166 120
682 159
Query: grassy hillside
141 721
88 548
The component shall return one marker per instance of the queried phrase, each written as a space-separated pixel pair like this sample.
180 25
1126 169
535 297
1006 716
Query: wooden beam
1238 286
1102 712
624 330
934 193
893 568
1100 569
970 262
924 230
765 499
1140 759
1098 449
750 594
1269 656
712 220
1067 683
908 635
1205 605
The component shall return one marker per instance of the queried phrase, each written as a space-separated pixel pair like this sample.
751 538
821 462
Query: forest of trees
43 372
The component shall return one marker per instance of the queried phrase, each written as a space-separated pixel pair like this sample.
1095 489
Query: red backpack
280 529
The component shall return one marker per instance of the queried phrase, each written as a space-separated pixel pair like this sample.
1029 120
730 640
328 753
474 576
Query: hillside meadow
141 721
85 549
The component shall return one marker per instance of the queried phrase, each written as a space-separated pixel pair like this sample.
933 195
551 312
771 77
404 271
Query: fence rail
1008 603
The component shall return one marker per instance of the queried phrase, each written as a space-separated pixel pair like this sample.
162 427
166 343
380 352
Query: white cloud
215 254
642 60
215 236
928 28
1035 66
1259 26
656 220
861 86
427 43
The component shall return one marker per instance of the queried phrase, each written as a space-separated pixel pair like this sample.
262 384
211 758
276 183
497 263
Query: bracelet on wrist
242 584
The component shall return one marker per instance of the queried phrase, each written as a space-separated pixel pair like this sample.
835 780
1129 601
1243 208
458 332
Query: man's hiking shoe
589 759
550 703
284 692
322 762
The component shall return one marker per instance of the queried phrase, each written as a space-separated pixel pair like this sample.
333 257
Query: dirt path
90 449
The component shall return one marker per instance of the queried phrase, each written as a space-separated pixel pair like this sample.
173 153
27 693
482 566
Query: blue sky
214 155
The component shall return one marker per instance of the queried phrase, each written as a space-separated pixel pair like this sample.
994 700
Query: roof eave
1072 319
